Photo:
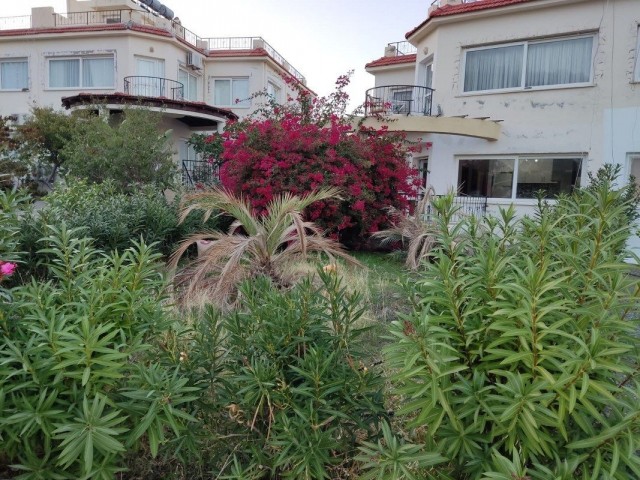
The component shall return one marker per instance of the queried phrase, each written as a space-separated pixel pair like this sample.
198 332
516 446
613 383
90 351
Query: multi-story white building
508 97
124 52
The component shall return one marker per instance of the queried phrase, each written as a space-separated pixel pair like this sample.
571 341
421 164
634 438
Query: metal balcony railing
465 207
15 23
250 43
399 100
87 18
155 87
199 173
402 48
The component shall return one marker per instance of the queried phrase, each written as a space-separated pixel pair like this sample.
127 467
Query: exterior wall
598 122
555 120
397 75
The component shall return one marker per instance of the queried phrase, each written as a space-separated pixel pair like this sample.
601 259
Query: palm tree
416 232
254 245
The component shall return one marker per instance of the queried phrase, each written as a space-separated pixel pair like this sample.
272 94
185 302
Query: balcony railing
250 43
399 100
15 23
402 48
465 207
156 87
440 3
87 18
199 173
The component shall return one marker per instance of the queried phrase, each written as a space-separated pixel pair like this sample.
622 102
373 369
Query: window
529 65
82 72
190 83
273 91
14 74
494 178
634 168
232 92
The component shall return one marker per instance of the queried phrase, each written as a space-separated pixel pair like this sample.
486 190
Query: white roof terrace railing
251 43
97 17
15 23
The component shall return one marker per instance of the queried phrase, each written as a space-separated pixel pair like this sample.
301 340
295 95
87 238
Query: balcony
398 100
199 173
154 87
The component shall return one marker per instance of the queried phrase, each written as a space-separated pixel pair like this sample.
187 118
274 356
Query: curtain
97 72
64 73
14 75
222 92
241 92
559 62
493 68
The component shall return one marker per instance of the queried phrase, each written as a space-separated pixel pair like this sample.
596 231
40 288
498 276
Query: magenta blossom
7 268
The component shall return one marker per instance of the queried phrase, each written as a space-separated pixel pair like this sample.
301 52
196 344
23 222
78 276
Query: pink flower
7 268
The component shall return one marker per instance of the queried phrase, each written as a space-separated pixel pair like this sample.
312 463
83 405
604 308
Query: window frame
16 60
276 97
513 198
81 58
523 74
232 104
636 71
186 85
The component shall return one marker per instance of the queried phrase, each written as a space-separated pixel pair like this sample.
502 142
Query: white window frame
16 60
525 44
81 58
186 86
636 74
233 104
516 160
277 89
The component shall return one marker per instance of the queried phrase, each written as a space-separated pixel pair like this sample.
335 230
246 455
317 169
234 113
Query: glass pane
97 72
14 75
64 73
193 88
493 68
486 178
551 175
222 92
559 62
241 92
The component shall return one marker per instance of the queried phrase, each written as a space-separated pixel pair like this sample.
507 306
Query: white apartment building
509 97
136 52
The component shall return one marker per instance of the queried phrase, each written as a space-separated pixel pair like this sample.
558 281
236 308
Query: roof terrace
46 18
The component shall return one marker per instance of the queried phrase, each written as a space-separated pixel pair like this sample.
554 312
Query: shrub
130 150
522 360
113 220
296 388
78 385
309 144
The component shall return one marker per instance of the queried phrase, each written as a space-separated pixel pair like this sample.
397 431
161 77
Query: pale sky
321 38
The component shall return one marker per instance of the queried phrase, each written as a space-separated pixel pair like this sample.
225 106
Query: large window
231 92
81 72
190 83
14 74
530 64
520 177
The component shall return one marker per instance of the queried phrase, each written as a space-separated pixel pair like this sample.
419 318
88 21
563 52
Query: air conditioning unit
194 61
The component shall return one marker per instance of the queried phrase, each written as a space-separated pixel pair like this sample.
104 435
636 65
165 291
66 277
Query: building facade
124 52
561 78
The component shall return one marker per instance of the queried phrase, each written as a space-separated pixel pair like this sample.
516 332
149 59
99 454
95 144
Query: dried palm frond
416 232
254 245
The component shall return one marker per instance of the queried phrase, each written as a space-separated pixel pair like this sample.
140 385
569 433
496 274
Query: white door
150 81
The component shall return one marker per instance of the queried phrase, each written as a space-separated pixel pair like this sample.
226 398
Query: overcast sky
321 38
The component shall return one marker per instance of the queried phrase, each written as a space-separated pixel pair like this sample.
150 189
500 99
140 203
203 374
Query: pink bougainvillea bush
310 143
